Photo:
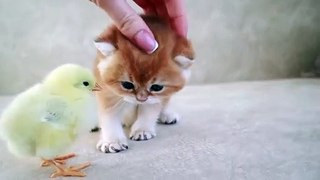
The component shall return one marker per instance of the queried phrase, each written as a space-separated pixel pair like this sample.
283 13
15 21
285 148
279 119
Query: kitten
137 87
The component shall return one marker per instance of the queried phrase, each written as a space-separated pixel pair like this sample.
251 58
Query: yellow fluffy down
45 119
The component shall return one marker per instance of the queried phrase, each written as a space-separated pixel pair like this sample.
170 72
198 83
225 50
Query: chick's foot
74 171
58 160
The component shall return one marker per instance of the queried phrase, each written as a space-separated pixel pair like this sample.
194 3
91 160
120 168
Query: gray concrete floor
245 130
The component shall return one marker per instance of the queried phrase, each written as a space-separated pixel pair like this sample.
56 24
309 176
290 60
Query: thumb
129 23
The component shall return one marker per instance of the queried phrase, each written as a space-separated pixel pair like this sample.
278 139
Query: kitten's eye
127 85
85 83
156 87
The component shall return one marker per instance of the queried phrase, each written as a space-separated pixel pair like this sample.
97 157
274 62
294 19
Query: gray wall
234 40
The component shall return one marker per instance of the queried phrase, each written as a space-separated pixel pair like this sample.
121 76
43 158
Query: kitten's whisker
97 87
119 103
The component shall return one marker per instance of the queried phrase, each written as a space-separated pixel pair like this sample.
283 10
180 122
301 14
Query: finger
177 16
129 23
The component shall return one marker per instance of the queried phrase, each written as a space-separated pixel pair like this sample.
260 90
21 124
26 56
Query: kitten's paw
168 118
142 135
111 147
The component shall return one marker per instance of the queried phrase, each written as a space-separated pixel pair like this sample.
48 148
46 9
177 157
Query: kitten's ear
105 48
183 53
106 42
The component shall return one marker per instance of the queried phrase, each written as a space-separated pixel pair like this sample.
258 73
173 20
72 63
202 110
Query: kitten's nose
142 97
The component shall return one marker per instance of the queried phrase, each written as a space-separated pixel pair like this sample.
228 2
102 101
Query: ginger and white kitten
137 87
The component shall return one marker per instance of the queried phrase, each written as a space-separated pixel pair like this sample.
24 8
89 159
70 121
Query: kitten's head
137 76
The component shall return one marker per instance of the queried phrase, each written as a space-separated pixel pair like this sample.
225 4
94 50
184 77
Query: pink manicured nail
145 41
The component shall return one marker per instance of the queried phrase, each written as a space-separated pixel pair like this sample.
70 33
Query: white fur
105 48
141 117
186 73
183 61
150 100
185 64
112 137
167 116
144 126
103 64
130 99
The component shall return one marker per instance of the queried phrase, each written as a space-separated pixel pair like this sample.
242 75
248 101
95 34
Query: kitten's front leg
112 137
167 116
144 127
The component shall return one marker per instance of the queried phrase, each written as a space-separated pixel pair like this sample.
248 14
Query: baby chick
46 118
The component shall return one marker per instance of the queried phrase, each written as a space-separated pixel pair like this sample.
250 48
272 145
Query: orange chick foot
74 171
57 160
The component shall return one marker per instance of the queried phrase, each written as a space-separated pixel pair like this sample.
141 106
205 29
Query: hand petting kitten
134 28
136 87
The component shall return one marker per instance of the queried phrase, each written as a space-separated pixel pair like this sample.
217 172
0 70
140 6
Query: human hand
133 27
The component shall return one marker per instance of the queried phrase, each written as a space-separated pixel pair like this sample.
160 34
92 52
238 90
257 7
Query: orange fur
152 80
142 68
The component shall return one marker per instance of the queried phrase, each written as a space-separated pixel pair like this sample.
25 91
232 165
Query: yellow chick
46 118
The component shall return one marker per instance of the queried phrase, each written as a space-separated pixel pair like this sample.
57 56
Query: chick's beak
97 87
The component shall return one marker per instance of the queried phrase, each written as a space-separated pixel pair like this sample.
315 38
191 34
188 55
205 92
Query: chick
46 118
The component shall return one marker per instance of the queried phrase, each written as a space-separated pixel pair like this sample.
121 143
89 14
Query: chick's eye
85 83
127 85
156 87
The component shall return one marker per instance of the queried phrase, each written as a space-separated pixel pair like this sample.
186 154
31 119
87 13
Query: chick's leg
74 171
58 160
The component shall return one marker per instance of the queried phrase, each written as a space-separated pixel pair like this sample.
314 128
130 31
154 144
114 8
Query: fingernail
145 41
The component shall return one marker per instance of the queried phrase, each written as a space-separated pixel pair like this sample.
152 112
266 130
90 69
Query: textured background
234 40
